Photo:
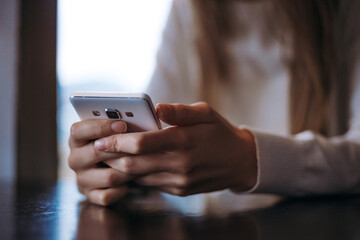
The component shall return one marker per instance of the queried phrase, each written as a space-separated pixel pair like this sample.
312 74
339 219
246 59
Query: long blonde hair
320 70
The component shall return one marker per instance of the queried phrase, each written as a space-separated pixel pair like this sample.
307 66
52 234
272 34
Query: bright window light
104 45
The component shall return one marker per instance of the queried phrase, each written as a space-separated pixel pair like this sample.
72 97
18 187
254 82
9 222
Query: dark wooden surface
59 212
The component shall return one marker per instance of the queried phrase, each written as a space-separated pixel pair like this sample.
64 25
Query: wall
8 69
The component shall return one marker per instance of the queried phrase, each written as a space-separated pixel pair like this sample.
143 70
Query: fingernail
100 144
118 126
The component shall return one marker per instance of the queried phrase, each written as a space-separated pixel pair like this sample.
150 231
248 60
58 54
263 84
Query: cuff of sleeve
278 171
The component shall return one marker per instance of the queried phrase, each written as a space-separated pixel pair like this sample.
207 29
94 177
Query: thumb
179 114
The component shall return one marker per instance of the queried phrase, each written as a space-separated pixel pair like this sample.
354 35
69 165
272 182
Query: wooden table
58 211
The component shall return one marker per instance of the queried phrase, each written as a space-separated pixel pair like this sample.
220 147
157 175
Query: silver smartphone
136 109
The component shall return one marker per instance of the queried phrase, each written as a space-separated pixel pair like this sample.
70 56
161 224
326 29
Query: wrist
249 166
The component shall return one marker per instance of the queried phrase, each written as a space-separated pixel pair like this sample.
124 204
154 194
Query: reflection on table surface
60 212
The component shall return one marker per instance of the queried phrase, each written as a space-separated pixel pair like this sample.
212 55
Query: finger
165 179
95 178
179 191
178 114
183 191
206 178
87 156
147 142
84 131
202 181
201 187
145 164
106 197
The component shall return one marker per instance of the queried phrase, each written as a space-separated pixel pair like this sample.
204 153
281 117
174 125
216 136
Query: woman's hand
201 153
101 185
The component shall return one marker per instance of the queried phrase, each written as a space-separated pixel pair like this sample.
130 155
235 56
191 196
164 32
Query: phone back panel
137 112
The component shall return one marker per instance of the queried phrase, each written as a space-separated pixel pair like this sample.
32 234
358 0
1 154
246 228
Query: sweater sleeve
308 163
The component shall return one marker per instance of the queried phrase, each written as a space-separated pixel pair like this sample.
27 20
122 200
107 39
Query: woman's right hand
101 185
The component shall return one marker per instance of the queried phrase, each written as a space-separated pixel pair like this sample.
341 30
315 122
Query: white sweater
306 163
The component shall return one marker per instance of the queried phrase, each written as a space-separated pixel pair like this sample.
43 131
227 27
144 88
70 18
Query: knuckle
205 105
104 198
72 162
113 143
182 136
79 180
183 181
185 166
139 143
207 109
181 192
103 127
110 178
74 130
80 189
128 165
95 154
184 114
98 128
70 142
185 139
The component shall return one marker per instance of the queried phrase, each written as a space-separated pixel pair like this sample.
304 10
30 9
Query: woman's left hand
202 152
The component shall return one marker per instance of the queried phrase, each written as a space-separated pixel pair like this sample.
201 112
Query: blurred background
98 50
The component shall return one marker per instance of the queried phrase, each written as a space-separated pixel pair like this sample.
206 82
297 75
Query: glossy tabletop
59 212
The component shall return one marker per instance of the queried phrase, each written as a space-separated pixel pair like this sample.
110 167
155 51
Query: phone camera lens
96 113
129 114
113 113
